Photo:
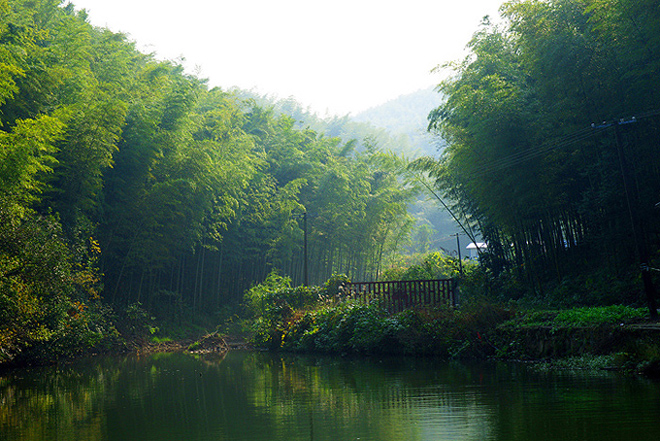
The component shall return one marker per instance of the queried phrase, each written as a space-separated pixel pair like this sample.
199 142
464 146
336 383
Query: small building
474 248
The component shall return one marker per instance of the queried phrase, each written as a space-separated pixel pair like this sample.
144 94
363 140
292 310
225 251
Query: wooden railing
400 295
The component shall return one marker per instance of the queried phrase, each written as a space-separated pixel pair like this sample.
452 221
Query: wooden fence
400 295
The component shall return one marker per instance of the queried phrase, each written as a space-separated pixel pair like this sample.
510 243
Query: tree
523 161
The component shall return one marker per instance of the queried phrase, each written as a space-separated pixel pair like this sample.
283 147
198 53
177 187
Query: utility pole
638 237
460 259
305 270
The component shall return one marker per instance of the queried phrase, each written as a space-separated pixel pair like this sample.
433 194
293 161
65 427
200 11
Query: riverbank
613 338
632 347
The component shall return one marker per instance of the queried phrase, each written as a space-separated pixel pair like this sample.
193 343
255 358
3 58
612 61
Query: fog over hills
408 115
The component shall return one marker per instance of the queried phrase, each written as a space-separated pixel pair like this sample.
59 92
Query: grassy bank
299 319
279 316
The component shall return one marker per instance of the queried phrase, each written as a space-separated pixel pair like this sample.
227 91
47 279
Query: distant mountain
407 115
345 127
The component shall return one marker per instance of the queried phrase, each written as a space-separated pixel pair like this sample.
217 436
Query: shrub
348 326
272 304
352 326
600 315
431 266
323 324
48 291
333 286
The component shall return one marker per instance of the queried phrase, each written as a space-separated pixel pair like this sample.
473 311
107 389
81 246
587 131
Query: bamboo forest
131 190
552 129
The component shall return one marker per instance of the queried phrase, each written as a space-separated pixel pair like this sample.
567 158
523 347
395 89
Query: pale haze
335 57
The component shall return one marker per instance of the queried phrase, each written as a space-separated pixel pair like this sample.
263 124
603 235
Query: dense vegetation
552 123
552 128
126 181
330 320
130 190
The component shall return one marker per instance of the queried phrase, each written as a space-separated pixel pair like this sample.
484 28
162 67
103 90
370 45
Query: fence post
455 293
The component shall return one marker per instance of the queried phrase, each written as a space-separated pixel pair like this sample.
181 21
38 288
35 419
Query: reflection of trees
382 399
169 394
575 406
271 397
55 403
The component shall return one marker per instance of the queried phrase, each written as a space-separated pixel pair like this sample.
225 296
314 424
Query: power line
561 142
520 157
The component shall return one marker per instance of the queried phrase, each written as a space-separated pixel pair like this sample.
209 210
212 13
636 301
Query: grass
581 317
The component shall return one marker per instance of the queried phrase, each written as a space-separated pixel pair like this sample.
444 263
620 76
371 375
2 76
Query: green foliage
582 317
326 324
273 302
585 362
274 289
24 154
524 166
48 297
597 288
333 286
136 321
352 326
594 316
431 266
347 327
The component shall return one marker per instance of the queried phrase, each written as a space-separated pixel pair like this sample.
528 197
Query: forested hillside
122 178
408 114
363 131
553 130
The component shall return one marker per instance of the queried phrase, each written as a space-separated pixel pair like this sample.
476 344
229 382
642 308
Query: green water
260 396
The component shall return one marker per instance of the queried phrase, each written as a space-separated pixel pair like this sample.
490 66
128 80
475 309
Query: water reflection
260 396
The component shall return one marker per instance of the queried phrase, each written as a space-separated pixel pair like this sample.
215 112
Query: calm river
261 396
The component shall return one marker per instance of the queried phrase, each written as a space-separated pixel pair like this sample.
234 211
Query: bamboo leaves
521 157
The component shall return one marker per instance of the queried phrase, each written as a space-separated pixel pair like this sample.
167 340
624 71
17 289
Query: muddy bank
208 344
637 341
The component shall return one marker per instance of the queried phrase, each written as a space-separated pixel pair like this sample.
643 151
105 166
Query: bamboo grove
124 178
553 126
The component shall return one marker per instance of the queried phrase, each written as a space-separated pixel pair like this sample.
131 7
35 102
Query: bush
600 315
580 317
431 266
313 319
272 304
334 285
599 288
349 326
357 327
48 291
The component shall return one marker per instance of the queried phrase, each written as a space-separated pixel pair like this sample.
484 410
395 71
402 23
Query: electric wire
561 142
523 156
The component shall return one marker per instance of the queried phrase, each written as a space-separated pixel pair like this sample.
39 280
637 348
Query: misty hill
407 115
345 127
405 118
398 125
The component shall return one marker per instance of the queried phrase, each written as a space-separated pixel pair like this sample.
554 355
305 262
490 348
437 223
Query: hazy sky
337 57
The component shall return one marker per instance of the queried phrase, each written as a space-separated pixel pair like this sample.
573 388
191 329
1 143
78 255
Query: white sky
337 57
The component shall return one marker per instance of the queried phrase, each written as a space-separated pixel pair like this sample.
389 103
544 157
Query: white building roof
478 245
